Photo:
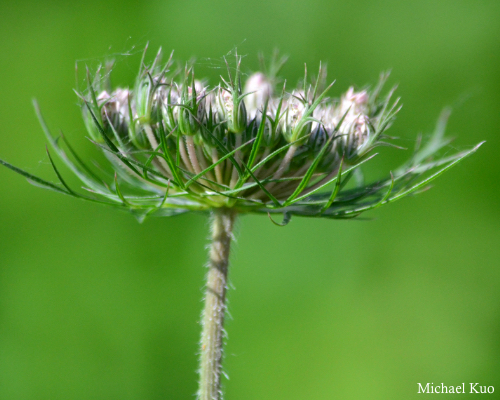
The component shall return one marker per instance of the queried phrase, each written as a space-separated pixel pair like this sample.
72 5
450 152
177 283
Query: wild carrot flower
178 145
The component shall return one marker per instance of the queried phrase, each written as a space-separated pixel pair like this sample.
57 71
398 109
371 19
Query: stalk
192 154
215 305
280 171
154 145
218 171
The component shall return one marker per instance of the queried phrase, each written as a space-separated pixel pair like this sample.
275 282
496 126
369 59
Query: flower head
178 145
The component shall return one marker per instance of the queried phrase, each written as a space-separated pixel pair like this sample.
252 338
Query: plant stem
215 305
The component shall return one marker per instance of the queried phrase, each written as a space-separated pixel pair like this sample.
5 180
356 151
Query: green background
94 305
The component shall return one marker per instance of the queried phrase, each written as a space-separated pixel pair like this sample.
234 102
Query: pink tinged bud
103 96
121 97
260 90
353 108
114 107
355 136
118 112
350 120
354 103
358 98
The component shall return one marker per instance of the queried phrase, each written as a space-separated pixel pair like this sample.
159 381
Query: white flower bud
166 97
114 109
260 90
353 108
236 117
294 113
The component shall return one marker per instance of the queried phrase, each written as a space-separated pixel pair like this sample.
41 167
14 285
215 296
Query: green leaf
79 160
331 180
57 172
286 219
386 197
168 159
437 141
86 176
119 193
139 164
335 189
258 138
110 144
39 182
34 179
316 103
357 209
435 175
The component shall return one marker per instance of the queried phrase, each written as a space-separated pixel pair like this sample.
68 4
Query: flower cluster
177 144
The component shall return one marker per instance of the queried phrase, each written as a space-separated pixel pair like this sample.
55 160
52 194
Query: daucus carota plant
178 145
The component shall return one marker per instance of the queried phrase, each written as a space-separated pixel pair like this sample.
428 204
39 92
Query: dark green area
95 306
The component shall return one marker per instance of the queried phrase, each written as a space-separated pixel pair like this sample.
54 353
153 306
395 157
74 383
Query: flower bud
112 109
192 113
117 110
233 110
294 125
354 122
143 101
356 137
215 131
260 90
188 125
166 99
271 136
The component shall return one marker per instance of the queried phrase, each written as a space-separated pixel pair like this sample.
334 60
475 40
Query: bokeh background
94 305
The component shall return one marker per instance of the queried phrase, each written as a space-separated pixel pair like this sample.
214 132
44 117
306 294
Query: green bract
177 145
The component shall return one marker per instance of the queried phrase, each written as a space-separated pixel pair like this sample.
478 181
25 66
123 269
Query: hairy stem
215 305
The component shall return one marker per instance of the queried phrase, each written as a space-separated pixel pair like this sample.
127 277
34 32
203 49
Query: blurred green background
94 305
